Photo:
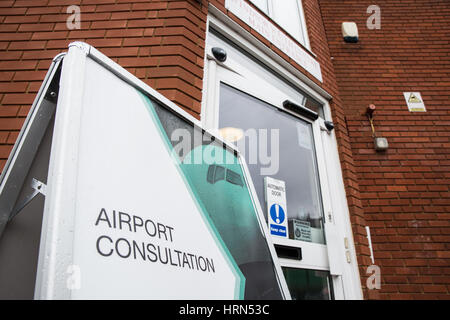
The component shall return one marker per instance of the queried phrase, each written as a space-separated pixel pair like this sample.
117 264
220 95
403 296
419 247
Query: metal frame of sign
56 253
26 146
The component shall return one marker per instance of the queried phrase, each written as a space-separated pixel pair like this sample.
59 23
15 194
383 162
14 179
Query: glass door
289 157
245 106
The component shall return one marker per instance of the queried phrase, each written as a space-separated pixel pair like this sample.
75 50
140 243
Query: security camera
219 53
329 125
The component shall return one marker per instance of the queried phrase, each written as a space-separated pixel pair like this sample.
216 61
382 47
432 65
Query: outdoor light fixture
380 143
350 32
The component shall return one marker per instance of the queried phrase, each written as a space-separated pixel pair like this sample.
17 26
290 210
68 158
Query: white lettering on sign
269 31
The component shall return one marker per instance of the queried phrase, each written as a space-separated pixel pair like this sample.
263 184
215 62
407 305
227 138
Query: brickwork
161 42
405 190
401 194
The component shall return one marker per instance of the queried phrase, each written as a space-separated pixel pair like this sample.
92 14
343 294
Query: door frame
346 284
315 255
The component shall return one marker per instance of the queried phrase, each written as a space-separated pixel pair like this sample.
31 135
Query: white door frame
315 255
346 280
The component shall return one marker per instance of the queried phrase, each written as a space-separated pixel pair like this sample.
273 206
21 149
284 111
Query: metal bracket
38 188
223 65
330 217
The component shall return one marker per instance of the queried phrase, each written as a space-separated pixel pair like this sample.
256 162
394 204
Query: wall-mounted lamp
380 143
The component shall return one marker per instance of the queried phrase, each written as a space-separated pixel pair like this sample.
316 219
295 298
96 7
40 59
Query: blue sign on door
278 216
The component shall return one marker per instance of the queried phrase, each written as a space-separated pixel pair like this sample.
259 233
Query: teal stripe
240 279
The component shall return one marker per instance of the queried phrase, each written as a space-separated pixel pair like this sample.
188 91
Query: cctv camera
329 125
219 53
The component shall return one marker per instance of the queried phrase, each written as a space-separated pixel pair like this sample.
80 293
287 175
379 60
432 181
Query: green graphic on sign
216 180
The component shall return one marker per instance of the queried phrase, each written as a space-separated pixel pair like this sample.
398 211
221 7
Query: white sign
269 31
301 230
141 235
414 101
131 226
125 215
275 191
304 137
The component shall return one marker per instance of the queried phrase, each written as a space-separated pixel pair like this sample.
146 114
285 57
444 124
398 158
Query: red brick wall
405 190
161 42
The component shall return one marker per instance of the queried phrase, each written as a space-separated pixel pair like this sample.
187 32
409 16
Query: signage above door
278 38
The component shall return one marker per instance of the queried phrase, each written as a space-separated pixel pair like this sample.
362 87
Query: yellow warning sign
414 99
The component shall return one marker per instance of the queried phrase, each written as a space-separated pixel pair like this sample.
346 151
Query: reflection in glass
231 134
287 14
297 162
308 284
261 71
217 181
